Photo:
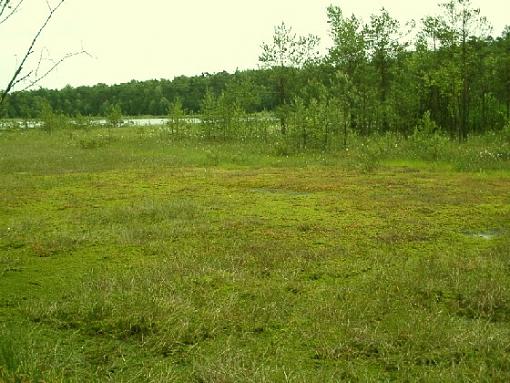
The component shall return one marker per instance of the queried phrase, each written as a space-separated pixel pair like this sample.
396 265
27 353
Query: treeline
251 88
446 73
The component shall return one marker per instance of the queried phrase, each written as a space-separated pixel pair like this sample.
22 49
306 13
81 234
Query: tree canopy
375 77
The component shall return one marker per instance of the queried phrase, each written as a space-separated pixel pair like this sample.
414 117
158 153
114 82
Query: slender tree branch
39 63
12 12
53 67
29 51
4 5
23 78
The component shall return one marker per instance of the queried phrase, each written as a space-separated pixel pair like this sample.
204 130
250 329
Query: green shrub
505 133
427 142
95 142
82 122
52 121
114 116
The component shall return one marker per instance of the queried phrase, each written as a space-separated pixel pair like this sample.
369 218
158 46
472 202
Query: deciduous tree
286 53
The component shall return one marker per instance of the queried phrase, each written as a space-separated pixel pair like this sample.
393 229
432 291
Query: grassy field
128 257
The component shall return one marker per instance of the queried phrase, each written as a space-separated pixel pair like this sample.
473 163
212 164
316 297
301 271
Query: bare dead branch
4 5
13 10
23 78
39 63
29 51
53 67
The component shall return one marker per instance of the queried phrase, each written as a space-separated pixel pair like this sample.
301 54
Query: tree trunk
282 95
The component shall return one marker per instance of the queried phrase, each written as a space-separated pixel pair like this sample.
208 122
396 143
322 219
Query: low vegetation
161 254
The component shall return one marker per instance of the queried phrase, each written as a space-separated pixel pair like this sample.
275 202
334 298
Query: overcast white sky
130 39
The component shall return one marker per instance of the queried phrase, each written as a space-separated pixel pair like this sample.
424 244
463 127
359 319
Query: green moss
147 260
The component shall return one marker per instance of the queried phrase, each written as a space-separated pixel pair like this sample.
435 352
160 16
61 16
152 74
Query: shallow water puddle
486 234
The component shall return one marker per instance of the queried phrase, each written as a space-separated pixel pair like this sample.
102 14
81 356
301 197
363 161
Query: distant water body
151 121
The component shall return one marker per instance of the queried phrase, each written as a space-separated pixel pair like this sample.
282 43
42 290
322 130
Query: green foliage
17 362
289 50
114 116
368 156
9 354
175 260
52 121
505 133
82 122
209 115
231 116
427 142
222 118
490 157
282 148
94 141
310 125
373 80
176 117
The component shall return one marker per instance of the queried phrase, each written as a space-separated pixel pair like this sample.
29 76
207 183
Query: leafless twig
15 78
53 67
4 5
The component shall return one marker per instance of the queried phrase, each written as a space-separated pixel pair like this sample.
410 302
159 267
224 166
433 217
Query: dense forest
377 76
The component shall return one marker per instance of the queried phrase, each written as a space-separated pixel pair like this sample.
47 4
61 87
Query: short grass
127 257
